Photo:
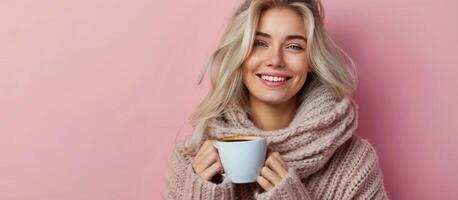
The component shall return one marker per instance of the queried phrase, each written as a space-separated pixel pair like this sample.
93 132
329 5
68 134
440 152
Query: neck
272 116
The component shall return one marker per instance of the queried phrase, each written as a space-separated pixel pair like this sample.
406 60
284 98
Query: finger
203 148
207 161
205 153
270 175
269 152
280 159
211 171
264 183
273 163
198 158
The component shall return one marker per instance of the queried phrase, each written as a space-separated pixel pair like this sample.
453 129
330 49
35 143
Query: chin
273 99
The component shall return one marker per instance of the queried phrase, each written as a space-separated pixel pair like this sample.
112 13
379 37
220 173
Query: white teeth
273 78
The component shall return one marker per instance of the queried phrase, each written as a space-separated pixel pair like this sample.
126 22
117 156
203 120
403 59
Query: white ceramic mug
242 157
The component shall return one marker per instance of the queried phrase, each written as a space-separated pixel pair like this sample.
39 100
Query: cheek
298 64
246 73
251 63
300 69
249 66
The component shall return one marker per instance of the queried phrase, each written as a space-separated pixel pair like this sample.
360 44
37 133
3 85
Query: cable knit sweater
325 159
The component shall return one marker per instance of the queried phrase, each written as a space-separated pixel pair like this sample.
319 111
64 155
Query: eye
296 47
259 43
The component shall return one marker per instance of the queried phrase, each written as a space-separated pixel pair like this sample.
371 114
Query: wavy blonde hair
330 64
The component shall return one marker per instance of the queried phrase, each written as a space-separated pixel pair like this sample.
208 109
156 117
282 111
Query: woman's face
276 68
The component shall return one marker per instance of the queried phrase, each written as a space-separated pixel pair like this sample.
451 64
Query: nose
275 58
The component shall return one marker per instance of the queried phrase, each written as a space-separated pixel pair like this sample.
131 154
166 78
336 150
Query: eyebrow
289 37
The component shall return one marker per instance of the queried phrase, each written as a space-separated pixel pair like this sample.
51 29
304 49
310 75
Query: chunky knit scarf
321 124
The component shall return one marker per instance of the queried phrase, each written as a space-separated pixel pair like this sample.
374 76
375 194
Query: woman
276 74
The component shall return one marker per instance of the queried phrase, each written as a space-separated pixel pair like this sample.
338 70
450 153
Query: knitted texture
325 160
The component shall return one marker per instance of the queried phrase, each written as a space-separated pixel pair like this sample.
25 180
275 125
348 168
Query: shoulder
358 163
352 169
360 170
358 154
355 158
360 146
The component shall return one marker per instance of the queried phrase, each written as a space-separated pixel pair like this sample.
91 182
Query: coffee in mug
242 157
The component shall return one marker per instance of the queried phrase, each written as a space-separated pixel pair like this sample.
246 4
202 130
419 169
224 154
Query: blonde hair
329 63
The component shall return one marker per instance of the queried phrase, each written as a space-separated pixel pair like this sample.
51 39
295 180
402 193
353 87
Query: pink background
94 93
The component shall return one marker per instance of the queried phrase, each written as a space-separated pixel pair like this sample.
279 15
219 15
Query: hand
273 171
207 164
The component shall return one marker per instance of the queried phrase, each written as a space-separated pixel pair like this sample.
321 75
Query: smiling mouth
273 78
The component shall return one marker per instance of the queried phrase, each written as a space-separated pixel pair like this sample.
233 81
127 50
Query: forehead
281 22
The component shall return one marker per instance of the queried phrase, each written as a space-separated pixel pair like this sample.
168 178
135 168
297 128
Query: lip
270 84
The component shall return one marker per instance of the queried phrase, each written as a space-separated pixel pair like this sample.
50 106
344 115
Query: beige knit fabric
325 159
